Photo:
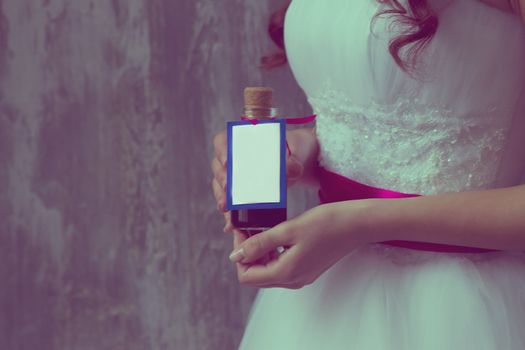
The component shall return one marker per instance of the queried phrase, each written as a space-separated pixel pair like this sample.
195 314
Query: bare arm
493 219
486 219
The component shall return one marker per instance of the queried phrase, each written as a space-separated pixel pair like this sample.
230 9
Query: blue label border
282 203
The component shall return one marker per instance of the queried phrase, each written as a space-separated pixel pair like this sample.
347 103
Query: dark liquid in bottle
258 219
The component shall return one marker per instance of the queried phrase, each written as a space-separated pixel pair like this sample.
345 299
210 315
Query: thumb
259 245
294 168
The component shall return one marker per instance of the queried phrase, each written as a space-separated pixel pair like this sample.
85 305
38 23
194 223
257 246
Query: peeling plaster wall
109 236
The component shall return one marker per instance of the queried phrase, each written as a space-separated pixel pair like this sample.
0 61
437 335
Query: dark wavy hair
417 22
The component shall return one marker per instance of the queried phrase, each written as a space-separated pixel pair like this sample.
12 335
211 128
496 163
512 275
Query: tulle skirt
385 297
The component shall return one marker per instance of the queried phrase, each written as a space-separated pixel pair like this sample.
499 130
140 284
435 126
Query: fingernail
223 184
237 255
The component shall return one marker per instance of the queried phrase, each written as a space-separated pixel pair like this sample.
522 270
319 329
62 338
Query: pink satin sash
336 188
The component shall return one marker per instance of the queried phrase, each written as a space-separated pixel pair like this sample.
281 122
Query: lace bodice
459 126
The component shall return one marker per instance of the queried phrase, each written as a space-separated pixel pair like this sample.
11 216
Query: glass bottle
258 105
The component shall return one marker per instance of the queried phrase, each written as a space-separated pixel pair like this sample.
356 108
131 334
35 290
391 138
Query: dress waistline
336 188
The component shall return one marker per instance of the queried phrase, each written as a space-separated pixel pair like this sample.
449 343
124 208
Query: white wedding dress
459 127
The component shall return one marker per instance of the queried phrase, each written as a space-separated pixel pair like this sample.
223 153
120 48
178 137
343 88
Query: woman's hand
303 146
313 242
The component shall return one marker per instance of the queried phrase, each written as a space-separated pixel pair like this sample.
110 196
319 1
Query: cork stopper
258 97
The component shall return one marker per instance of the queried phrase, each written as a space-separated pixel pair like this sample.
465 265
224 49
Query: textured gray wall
109 234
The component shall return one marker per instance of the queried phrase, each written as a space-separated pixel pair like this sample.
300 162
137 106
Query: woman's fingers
220 196
218 166
263 272
221 206
262 275
221 145
262 245
228 226
294 169
238 238
219 184
219 172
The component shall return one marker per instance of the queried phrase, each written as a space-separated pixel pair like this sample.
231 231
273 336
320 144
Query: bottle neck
260 113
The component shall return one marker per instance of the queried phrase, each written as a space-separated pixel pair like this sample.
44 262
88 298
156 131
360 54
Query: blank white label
256 163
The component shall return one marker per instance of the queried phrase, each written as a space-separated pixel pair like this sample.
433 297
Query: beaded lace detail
409 146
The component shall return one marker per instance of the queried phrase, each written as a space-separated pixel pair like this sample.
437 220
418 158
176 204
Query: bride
419 155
